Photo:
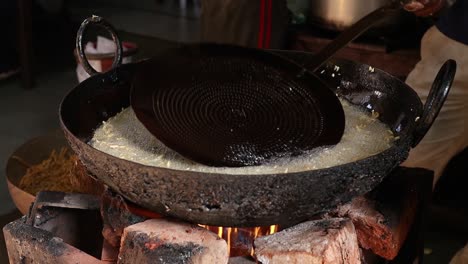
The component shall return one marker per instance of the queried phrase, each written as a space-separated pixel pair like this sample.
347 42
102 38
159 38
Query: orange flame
240 240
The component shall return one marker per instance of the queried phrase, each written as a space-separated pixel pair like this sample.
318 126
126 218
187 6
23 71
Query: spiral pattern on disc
228 111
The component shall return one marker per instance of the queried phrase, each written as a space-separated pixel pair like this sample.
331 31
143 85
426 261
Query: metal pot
340 14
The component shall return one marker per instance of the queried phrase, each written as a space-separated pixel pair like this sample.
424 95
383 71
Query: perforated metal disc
227 106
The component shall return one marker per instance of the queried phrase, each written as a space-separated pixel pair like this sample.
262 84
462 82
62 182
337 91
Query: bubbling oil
123 136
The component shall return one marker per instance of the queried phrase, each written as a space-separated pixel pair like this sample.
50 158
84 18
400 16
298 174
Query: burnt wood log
28 244
384 217
317 242
169 241
60 228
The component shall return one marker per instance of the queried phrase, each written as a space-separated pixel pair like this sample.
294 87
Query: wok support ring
99 21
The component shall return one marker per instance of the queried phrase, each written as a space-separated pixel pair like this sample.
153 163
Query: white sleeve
448 135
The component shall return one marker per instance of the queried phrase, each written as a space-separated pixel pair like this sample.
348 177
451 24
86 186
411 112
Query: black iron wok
253 200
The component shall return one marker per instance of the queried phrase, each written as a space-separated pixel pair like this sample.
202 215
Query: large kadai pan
253 200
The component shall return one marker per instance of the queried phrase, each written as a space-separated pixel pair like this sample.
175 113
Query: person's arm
424 8
452 22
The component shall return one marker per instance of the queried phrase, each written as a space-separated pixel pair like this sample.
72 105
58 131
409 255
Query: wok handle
435 100
97 20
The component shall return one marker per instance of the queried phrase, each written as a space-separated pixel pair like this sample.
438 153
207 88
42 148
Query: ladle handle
99 21
350 34
435 100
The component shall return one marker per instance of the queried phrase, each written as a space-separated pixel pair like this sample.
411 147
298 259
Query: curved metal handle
96 20
435 100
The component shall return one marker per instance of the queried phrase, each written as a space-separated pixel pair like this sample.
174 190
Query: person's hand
424 7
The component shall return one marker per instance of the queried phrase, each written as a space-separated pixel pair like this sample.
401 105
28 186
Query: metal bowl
32 152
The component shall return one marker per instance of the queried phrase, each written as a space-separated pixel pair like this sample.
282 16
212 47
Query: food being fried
123 136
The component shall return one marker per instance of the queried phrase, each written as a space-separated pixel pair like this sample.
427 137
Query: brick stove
78 228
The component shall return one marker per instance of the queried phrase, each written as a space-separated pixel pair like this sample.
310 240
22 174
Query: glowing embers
240 239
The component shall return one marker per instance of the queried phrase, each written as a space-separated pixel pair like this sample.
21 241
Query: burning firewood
318 242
